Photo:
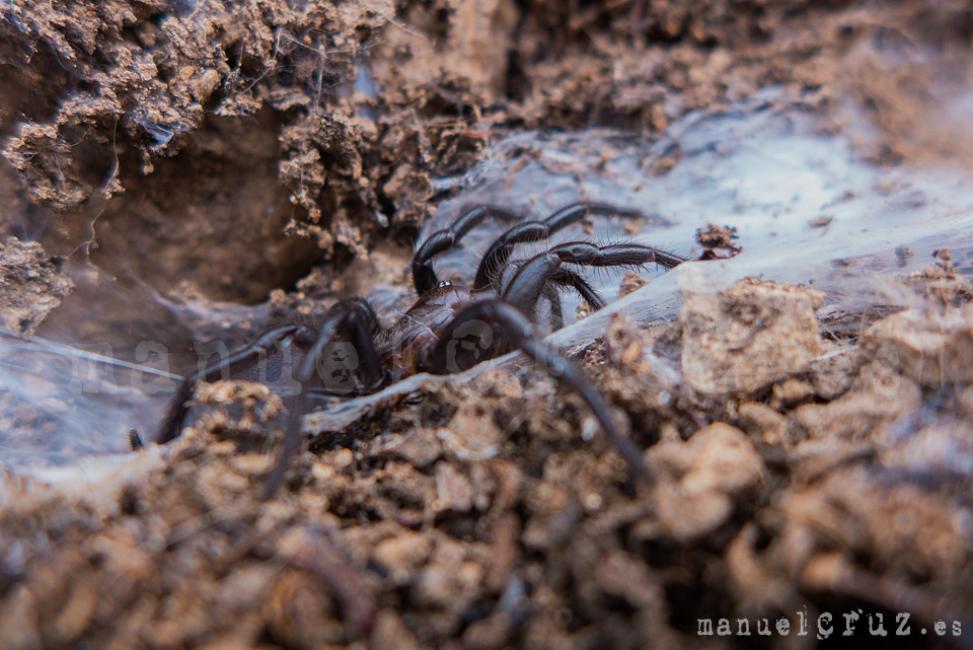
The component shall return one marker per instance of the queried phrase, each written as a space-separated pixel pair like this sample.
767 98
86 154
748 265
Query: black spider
449 328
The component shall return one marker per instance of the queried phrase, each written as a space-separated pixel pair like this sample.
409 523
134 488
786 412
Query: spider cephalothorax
450 327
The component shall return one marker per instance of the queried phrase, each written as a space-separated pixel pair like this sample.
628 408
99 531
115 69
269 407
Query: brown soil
238 153
31 284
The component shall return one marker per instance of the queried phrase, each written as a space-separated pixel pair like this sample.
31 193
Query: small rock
764 423
832 373
205 84
878 396
724 460
343 458
791 392
454 493
253 464
750 335
390 632
472 434
420 448
933 347
710 470
718 242
626 344
403 554
631 282
31 285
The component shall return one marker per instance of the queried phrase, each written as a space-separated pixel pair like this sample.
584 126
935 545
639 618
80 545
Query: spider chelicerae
450 327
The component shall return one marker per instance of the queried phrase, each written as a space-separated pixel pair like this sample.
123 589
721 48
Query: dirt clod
718 242
749 336
932 346
31 285
714 466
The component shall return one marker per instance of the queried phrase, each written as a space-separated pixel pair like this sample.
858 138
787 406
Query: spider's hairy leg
423 275
500 251
352 318
629 253
568 278
240 360
571 280
557 307
513 325
528 283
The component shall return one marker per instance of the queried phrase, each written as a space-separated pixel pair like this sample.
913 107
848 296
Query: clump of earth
197 171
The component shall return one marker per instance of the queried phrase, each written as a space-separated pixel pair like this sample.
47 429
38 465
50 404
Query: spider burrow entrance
500 312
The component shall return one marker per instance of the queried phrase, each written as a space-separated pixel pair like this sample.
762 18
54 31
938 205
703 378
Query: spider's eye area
445 283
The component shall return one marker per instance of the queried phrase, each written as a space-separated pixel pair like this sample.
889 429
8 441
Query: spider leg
423 276
568 278
520 332
355 319
565 278
500 251
246 357
557 308
528 283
